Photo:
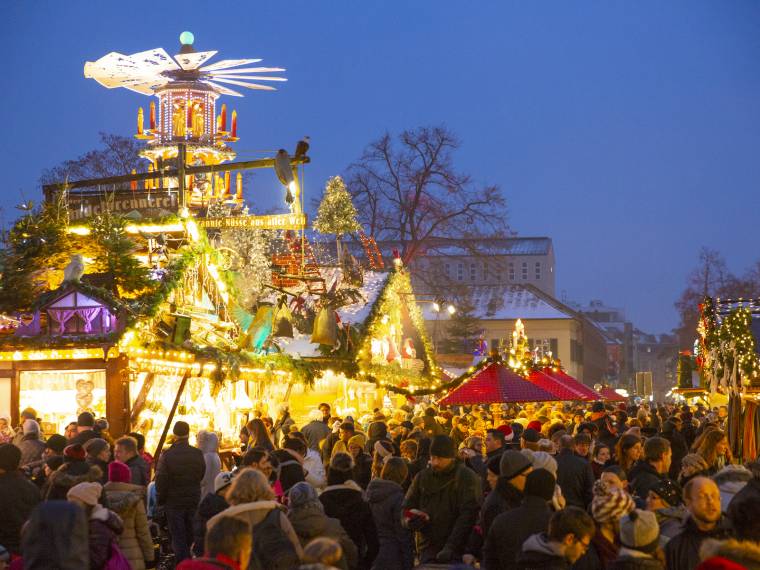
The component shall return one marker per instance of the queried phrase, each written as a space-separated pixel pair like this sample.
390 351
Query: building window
473 272
543 346
460 271
447 269
538 271
511 271
525 270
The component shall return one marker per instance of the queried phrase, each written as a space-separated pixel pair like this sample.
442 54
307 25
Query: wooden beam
189 170
141 400
169 419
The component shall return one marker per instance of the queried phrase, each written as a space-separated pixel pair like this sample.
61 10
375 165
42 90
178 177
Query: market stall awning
496 384
610 395
555 387
573 384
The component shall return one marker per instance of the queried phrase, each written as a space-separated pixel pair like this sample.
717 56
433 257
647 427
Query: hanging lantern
325 327
283 326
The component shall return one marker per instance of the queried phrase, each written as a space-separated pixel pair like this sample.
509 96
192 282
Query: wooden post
141 399
169 419
181 157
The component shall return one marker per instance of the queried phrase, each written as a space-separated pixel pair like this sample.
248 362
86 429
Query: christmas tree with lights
336 213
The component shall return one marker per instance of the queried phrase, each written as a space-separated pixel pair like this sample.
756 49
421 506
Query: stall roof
610 395
555 387
564 378
494 384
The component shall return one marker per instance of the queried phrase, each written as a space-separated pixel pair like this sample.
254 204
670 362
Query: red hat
720 563
535 424
507 431
119 472
74 452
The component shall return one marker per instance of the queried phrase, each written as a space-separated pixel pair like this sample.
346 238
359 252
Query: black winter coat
451 498
575 478
211 505
511 529
179 474
682 551
140 471
18 496
678 447
386 501
346 503
362 469
635 563
643 477
498 501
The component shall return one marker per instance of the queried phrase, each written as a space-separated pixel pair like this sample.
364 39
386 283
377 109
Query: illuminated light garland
53 354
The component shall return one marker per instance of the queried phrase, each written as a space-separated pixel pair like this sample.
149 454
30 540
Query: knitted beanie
513 463
93 447
30 426
383 448
542 460
691 465
181 429
119 472
88 493
74 452
639 531
443 446
540 483
357 441
57 443
302 494
610 504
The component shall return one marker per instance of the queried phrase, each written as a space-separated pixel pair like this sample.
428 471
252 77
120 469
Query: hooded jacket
634 560
375 432
539 553
744 552
346 503
105 526
68 475
451 498
140 470
128 501
18 496
208 443
311 523
511 529
682 551
643 476
386 501
670 520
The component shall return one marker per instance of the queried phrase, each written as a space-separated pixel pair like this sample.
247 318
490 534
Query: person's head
296 444
744 519
530 439
119 472
85 421
346 431
657 453
711 445
355 445
259 459
139 438
70 431
493 470
55 531
443 453
494 440
222 482
323 550
609 504
572 529
28 414
540 483
341 469
582 444
181 430
408 449
602 454
55 445
514 468
257 432
614 476
249 486
99 449
566 442
628 450
10 458
303 496
395 470
702 499
125 448
229 537
639 531
663 494
86 495
31 428
325 409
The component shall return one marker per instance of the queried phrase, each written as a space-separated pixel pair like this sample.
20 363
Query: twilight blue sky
629 132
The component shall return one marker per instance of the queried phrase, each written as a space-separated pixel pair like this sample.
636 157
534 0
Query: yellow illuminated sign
273 222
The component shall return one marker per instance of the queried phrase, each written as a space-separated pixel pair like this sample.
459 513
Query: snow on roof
508 302
357 313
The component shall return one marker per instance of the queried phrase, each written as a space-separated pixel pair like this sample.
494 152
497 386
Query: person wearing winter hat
307 516
128 501
362 460
18 496
639 541
105 525
530 439
664 500
74 470
211 505
98 454
543 460
30 445
514 467
512 528
449 493
692 465
608 506
85 428
55 445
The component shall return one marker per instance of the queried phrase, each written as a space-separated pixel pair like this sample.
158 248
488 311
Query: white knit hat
30 426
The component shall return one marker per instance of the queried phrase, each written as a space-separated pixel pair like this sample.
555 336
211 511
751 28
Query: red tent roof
610 395
567 380
554 386
496 384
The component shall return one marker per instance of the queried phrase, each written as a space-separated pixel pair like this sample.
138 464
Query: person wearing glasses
569 537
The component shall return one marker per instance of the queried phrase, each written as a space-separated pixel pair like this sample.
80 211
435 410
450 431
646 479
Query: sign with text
147 204
273 222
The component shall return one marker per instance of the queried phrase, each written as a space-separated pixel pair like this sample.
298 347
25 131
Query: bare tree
408 191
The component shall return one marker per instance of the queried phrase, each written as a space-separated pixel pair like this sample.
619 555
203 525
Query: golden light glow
53 354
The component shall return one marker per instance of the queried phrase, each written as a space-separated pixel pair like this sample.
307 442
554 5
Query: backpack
272 549
117 560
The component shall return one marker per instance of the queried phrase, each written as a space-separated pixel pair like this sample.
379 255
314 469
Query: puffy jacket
128 501
105 526
511 529
31 449
682 551
386 501
18 496
208 443
633 560
211 505
346 503
310 523
178 476
575 478
744 552
68 475
538 553
451 498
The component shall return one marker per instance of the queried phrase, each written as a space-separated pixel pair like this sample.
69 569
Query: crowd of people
584 486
